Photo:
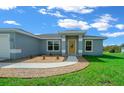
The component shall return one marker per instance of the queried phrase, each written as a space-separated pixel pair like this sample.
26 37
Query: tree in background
112 49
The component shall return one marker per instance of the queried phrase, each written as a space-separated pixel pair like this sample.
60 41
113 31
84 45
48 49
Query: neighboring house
122 48
17 43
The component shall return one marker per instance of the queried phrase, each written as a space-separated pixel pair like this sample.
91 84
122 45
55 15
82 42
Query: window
53 45
56 45
50 45
88 45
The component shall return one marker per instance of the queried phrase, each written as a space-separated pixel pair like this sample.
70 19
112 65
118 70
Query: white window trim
53 46
91 45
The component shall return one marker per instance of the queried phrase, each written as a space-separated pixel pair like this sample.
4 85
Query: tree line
113 48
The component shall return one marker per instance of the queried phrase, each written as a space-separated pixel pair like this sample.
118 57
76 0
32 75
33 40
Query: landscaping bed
40 59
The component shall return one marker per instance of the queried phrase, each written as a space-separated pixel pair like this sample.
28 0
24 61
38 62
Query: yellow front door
72 46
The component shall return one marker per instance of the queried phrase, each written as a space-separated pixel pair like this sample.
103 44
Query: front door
72 46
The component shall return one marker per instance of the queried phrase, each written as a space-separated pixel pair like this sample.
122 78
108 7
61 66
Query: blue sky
99 21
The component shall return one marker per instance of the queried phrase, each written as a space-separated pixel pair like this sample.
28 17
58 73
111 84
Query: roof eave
72 32
103 38
18 30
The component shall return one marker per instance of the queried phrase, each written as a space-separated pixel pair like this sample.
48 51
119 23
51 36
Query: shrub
112 51
113 48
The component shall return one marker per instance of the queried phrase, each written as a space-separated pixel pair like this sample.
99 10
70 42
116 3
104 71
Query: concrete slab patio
43 72
70 61
35 65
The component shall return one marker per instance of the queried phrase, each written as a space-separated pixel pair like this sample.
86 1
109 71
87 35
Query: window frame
91 46
53 46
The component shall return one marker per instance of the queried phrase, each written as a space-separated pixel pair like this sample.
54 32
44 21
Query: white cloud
103 22
11 22
70 23
116 34
57 14
75 9
10 8
101 26
34 7
106 18
120 26
45 11
20 11
7 7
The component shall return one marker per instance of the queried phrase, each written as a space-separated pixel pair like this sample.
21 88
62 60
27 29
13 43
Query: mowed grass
103 70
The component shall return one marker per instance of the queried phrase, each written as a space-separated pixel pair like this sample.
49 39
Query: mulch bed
29 73
38 59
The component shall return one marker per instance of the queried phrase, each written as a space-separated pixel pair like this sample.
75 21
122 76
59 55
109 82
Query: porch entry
72 47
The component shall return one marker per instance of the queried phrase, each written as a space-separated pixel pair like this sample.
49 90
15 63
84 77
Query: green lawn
104 70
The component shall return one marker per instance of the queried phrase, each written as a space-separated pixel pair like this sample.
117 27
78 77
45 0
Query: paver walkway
70 61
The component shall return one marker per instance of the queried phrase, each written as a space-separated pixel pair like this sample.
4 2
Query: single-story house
122 48
17 43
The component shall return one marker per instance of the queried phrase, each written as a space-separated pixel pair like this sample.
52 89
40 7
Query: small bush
43 57
57 57
112 51
31 56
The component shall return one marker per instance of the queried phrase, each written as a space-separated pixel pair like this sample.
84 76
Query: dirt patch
29 73
40 59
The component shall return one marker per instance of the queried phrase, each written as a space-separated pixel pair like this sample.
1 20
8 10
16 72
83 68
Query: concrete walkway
70 61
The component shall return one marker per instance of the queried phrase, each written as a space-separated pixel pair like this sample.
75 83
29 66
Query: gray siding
33 46
97 48
28 45
43 47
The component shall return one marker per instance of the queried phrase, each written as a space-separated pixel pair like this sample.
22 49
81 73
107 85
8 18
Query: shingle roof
94 37
57 36
49 36
72 32
18 30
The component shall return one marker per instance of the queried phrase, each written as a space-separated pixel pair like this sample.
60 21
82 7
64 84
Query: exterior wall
43 47
33 46
97 48
28 45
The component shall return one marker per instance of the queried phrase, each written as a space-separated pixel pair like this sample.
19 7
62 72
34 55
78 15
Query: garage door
4 46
